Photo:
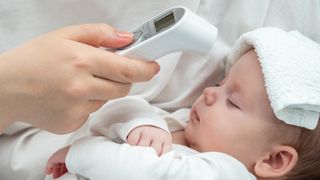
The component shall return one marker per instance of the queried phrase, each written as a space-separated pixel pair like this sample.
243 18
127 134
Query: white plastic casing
190 33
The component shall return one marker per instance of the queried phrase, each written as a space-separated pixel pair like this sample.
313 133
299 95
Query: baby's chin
187 132
189 137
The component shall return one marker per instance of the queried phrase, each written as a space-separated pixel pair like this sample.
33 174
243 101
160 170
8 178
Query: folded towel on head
291 68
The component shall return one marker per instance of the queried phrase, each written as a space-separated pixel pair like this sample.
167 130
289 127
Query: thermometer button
137 36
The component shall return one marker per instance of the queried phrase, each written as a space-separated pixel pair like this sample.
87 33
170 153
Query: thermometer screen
164 22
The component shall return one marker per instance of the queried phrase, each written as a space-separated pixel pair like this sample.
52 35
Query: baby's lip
194 115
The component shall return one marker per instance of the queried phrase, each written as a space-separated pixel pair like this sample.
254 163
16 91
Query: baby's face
234 117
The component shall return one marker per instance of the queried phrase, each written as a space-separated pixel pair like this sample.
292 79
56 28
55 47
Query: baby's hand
152 136
56 163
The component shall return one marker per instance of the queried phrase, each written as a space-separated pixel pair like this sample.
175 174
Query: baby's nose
210 95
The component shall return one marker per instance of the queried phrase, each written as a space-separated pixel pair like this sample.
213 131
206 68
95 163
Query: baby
231 132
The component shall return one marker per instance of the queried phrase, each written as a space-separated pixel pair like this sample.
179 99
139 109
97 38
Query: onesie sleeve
97 158
119 117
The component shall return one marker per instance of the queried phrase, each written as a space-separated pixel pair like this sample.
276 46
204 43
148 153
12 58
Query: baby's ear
277 162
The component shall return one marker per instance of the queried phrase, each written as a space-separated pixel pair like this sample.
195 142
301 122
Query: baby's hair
308 148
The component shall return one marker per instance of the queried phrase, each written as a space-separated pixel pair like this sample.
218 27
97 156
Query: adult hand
56 80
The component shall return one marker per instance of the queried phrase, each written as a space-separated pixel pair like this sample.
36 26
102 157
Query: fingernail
157 69
124 34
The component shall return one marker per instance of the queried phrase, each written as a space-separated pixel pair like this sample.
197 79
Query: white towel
291 67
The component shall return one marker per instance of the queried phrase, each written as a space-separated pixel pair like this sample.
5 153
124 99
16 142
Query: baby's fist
152 136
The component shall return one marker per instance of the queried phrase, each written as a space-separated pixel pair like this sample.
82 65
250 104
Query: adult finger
102 89
108 65
96 35
83 110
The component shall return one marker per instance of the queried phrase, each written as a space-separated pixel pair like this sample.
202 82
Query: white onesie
100 157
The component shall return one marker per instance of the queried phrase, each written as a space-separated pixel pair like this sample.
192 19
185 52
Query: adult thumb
96 35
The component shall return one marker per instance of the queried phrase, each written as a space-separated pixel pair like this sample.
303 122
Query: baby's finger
49 166
157 145
56 172
63 169
48 169
133 138
166 147
144 140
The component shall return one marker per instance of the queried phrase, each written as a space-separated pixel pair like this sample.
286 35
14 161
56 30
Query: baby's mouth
194 116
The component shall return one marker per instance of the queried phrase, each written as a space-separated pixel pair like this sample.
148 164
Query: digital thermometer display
164 22
175 29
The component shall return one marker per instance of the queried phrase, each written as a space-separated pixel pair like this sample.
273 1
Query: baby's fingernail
124 34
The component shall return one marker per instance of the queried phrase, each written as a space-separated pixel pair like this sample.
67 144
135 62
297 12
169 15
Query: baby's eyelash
232 104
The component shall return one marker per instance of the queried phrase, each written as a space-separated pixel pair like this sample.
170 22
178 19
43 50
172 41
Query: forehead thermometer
175 29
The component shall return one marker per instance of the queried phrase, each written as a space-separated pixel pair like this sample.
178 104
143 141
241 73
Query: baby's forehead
247 64
246 79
